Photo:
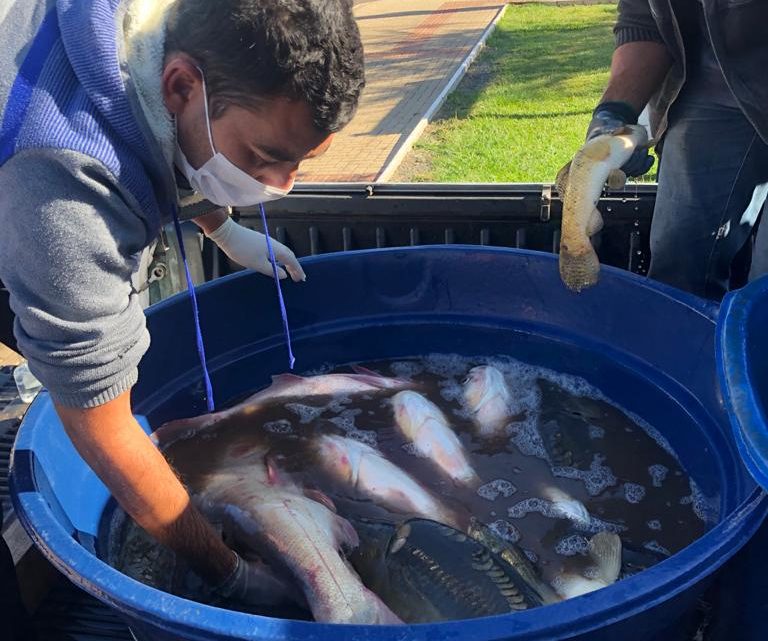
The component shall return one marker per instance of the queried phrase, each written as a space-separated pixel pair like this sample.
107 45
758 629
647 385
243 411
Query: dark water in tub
563 433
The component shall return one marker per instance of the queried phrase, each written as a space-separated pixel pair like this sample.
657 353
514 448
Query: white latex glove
249 249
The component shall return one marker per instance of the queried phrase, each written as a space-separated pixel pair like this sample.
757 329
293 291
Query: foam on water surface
306 413
634 492
505 530
493 490
707 508
572 545
281 426
596 479
655 546
658 474
526 437
596 432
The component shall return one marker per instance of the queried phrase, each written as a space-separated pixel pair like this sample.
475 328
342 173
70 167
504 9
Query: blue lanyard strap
196 315
283 312
196 310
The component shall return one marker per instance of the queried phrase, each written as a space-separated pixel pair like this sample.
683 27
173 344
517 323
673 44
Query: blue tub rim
749 424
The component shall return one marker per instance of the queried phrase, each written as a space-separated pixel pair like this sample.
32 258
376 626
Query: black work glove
608 118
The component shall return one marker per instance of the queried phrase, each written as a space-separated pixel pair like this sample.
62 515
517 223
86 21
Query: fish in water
428 572
565 434
284 387
580 185
364 470
567 507
605 552
515 558
488 397
422 422
295 533
635 560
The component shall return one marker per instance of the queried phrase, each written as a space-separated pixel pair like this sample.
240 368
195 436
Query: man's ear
181 80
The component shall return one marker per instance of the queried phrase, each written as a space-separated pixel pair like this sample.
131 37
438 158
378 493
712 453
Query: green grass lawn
523 108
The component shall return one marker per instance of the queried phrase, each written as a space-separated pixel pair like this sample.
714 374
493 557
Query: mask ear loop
207 115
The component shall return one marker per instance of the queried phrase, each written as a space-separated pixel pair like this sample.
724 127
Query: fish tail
579 268
605 550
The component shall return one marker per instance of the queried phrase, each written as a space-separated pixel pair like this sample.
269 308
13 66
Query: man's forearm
637 71
117 449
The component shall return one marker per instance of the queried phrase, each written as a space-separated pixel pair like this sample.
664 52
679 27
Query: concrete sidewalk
414 54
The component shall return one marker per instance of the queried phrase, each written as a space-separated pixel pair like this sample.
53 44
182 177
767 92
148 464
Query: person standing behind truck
700 66
111 111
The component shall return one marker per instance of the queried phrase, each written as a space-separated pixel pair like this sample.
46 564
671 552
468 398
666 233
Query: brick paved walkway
413 49
8 357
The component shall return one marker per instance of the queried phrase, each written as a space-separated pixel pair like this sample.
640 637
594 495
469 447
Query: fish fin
399 539
598 149
359 369
173 431
617 179
570 586
595 223
561 181
286 379
579 270
276 476
605 550
346 534
320 497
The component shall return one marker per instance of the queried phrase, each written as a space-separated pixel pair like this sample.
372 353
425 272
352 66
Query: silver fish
365 471
295 532
488 397
567 507
581 184
283 387
422 422
605 551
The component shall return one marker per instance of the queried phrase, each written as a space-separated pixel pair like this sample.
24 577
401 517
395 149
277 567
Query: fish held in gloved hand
580 184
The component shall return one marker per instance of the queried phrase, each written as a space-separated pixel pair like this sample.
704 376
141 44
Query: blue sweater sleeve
70 243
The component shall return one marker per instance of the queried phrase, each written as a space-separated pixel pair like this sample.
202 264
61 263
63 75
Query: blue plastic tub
743 364
649 348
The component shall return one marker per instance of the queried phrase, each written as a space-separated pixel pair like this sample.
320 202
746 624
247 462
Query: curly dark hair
255 49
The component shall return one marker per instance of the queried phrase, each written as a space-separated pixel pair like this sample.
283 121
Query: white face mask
221 181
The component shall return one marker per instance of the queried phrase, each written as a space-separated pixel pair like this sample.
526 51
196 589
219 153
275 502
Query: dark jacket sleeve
636 23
